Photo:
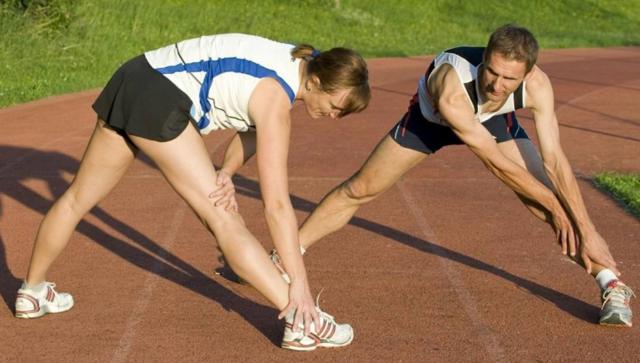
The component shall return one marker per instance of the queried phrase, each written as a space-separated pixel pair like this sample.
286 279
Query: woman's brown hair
338 68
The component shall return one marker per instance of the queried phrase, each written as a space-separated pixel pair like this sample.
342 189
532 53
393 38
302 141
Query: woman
159 103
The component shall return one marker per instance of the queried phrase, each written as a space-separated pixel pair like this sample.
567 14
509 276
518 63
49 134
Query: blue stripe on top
214 68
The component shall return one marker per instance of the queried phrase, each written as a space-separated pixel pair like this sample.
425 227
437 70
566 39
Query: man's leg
388 162
614 293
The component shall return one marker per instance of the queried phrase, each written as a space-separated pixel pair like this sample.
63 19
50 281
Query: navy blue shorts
413 131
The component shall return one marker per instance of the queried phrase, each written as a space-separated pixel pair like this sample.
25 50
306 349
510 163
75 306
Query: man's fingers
587 262
572 244
563 242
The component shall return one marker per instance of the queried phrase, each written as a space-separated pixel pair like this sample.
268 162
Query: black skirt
140 101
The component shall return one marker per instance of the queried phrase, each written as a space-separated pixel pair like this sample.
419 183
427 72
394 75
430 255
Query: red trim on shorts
509 121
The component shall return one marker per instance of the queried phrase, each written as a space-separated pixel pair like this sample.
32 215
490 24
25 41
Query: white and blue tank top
219 73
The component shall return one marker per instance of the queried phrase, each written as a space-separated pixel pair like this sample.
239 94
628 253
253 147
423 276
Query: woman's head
335 71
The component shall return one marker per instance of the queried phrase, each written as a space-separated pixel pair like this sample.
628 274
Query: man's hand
565 234
225 195
593 248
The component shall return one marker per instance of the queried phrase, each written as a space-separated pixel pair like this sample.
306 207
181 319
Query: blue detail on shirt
214 68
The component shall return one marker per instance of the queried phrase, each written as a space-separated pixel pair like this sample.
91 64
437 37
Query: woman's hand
301 301
225 195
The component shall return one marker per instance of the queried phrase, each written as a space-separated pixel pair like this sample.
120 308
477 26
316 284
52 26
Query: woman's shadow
147 254
151 257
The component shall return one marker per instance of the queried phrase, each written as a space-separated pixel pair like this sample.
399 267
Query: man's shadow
147 254
569 304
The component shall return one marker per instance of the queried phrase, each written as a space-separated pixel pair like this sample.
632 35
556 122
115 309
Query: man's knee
359 189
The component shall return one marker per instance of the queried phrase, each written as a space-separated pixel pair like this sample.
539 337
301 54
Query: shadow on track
147 254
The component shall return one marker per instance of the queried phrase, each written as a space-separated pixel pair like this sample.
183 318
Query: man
468 96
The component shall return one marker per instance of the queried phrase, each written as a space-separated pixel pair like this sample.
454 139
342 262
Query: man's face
500 77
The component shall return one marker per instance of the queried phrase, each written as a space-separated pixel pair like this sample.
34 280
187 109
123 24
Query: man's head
508 58
513 43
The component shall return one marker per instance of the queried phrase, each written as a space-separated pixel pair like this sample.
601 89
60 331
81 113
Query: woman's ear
315 82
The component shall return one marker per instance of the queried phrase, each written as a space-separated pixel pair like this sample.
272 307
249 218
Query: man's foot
329 334
615 305
40 300
275 258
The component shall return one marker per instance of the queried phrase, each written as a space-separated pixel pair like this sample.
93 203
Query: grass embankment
51 47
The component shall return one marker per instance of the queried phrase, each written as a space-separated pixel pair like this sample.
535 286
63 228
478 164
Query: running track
445 266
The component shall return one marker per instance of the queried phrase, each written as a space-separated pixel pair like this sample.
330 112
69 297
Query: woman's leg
186 164
107 157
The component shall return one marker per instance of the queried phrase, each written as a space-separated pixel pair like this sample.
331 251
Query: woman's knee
217 219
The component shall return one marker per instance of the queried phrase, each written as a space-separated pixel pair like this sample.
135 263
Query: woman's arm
241 148
269 108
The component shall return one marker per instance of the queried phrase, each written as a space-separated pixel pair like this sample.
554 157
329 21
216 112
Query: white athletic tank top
219 73
465 61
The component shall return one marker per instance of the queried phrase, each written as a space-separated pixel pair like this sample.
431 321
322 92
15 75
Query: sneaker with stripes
36 301
616 309
329 334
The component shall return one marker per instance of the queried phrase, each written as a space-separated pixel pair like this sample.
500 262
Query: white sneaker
329 334
616 307
34 303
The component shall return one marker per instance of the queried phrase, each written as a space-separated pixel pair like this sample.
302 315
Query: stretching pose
160 102
468 95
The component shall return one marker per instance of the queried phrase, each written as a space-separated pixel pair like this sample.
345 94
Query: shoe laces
618 293
325 316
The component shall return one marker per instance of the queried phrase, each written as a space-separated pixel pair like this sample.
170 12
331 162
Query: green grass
624 188
61 46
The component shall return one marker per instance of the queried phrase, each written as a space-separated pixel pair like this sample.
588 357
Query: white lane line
491 343
145 295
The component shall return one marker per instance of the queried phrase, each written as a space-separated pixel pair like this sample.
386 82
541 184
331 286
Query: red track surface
445 266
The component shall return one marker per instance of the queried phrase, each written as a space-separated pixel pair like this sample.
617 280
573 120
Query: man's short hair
515 43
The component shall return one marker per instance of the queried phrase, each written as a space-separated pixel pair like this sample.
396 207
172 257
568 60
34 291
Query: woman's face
320 103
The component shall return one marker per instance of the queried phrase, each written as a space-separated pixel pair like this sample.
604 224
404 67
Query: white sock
35 288
603 277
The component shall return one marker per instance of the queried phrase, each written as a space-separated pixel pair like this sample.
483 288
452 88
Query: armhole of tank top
468 87
518 97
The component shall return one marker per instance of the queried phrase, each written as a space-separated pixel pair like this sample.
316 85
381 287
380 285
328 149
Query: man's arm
454 105
593 248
